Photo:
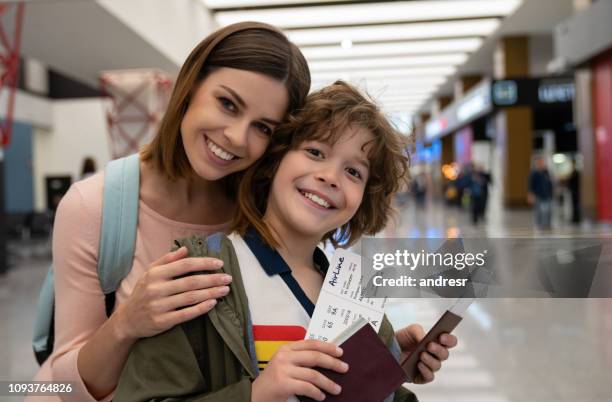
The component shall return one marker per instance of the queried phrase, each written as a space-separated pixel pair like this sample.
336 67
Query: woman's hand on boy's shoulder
431 360
164 297
290 372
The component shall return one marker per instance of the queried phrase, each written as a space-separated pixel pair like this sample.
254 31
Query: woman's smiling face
229 121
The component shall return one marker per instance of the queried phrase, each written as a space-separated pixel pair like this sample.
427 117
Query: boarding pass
341 301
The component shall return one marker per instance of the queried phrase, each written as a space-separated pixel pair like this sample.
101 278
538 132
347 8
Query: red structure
11 20
602 121
138 101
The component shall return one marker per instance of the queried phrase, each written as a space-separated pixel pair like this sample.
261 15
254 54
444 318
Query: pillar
514 134
583 116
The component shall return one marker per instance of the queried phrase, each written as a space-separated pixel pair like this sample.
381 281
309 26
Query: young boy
329 175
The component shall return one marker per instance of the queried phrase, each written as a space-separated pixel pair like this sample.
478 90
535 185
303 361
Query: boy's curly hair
324 117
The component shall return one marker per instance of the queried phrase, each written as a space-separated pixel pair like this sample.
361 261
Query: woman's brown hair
324 117
250 46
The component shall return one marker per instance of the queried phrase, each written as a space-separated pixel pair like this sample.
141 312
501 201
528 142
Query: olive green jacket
212 357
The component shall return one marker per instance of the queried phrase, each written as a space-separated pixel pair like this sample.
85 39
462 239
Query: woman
231 92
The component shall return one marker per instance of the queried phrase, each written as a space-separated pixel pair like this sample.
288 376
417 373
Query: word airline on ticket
341 301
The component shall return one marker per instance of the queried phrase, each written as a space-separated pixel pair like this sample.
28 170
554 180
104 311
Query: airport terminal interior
507 105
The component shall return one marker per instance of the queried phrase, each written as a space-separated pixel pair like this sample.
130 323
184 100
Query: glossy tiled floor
527 350
18 296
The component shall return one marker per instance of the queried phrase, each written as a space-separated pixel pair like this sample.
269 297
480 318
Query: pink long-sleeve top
79 301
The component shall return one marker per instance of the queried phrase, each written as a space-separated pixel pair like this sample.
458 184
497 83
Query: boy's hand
430 361
290 372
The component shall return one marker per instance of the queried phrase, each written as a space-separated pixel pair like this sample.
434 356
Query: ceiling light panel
395 93
391 91
404 105
386 62
406 96
387 88
395 32
399 105
396 88
399 97
371 13
392 101
220 4
393 48
403 108
387 73
392 109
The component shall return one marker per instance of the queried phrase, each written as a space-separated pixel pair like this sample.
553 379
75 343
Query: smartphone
446 324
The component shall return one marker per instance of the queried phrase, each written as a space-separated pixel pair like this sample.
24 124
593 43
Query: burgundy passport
373 371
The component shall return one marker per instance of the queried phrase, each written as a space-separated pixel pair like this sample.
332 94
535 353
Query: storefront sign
476 103
533 92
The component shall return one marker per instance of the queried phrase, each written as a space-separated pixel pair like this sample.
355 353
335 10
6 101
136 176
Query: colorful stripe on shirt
268 338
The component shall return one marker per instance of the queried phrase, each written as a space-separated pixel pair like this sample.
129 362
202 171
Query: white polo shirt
280 310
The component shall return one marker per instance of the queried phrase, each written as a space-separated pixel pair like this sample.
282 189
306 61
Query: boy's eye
263 128
227 104
314 152
354 172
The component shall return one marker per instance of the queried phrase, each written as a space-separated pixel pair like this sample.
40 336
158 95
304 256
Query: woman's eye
227 104
314 152
354 172
263 128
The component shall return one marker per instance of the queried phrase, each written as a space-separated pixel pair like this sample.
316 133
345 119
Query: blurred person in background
463 182
88 168
540 193
479 193
419 189
573 185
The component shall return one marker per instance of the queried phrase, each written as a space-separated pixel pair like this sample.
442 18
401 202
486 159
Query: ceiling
404 53
81 39
533 18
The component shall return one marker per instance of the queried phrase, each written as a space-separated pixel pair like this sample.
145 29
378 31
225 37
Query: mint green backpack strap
119 223
42 342
116 248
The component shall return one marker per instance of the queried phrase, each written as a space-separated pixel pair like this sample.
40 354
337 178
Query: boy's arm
164 368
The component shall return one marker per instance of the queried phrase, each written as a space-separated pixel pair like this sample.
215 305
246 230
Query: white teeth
315 198
218 151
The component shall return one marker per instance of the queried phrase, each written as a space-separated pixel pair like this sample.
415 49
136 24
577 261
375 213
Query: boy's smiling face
318 187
